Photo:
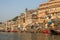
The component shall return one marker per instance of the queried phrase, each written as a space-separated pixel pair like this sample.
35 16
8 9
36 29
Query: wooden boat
14 31
8 31
45 31
2 30
55 32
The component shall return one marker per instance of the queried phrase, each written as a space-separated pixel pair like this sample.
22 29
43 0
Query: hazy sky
11 8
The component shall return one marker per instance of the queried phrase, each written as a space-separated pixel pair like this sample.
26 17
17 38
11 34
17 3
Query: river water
27 36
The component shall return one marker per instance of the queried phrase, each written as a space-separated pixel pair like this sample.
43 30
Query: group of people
49 22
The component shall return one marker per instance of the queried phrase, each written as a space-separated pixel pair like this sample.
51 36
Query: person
50 22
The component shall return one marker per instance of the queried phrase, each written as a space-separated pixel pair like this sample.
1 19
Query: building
31 17
21 21
50 8
40 15
10 25
37 17
27 19
2 26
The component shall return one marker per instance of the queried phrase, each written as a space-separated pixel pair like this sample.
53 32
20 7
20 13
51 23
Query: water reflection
28 36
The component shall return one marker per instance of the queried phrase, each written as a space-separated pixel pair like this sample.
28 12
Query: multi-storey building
2 26
51 8
38 16
10 25
31 17
21 21
27 19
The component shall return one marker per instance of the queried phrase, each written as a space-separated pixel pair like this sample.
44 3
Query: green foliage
14 19
0 22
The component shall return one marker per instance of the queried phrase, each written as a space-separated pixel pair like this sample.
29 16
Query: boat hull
54 32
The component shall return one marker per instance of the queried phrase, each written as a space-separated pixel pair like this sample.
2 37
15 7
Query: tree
0 22
14 19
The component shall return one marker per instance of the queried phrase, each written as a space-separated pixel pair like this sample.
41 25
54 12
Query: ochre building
50 8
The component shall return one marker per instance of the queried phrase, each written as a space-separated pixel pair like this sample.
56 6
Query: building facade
50 8
37 16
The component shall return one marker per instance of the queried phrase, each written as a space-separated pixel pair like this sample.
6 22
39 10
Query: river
27 36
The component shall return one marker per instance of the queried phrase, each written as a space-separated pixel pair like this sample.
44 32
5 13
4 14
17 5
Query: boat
55 32
14 31
8 31
2 30
45 31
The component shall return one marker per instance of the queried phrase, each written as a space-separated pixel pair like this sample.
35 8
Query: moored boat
45 31
14 31
2 30
55 32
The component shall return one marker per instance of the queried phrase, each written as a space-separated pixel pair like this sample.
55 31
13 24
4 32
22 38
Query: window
35 13
24 20
58 14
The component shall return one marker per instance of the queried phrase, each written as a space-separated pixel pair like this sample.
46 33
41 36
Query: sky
12 8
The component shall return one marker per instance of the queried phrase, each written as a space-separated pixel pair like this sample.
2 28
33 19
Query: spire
26 9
